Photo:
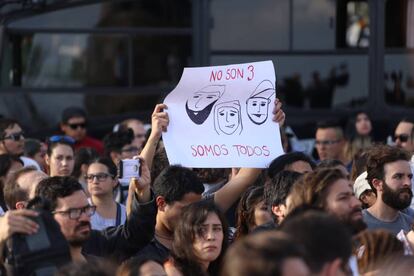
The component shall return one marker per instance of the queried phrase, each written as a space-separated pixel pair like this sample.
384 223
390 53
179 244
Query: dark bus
118 58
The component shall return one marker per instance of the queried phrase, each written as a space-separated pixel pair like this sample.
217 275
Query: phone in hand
128 168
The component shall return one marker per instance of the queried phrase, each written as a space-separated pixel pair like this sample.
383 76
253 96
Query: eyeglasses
15 136
402 137
130 149
326 142
76 213
75 126
139 136
61 138
99 176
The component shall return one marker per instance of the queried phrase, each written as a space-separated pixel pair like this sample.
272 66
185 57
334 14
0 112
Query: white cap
361 184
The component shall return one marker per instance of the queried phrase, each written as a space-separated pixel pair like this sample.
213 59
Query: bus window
313 25
112 58
357 31
137 13
314 72
316 81
252 26
399 57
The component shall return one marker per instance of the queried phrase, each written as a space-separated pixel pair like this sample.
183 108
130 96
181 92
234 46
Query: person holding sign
177 187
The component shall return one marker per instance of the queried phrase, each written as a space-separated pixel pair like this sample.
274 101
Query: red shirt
89 142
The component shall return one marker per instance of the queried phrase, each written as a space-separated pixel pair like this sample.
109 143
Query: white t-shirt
99 223
30 162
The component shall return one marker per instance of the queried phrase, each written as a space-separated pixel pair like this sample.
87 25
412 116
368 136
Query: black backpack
40 254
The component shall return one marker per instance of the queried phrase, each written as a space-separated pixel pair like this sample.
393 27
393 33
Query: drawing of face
200 100
228 118
199 105
257 105
257 109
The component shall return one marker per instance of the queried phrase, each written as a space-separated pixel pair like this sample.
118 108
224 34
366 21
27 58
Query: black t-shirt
156 251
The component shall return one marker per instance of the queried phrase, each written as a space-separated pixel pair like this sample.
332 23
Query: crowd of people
348 212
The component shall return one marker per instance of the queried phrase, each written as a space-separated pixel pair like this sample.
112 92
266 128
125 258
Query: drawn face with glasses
75 127
13 140
100 181
73 214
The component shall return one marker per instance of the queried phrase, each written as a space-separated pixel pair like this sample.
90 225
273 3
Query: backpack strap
118 214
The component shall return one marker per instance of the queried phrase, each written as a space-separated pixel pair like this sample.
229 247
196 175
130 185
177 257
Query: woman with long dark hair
252 211
359 133
200 241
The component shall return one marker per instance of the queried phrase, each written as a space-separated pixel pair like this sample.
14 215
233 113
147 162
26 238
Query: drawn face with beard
200 104
396 187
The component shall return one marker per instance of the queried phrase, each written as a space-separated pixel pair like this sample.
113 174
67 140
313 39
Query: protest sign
221 116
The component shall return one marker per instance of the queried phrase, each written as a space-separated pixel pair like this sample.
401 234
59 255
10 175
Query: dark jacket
123 241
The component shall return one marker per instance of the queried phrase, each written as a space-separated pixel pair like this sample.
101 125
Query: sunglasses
61 138
15 136
76 126
402 137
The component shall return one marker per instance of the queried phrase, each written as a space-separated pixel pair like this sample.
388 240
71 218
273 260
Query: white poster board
221 117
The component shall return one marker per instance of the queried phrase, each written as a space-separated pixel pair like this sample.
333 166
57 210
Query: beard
199 117
354 225
396 199
80 238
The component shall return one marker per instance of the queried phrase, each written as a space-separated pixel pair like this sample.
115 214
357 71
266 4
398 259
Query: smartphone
128 168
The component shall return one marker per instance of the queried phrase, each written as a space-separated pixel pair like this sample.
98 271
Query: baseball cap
361 184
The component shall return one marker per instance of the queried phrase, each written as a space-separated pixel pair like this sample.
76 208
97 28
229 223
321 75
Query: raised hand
278 114
141 186
159 120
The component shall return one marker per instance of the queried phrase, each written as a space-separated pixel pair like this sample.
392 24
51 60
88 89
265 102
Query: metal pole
376 57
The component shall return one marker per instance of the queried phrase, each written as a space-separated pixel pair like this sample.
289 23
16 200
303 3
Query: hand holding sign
219 117
278 114
159 120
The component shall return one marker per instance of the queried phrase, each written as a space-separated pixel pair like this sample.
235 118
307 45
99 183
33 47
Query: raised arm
159 123
229 193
